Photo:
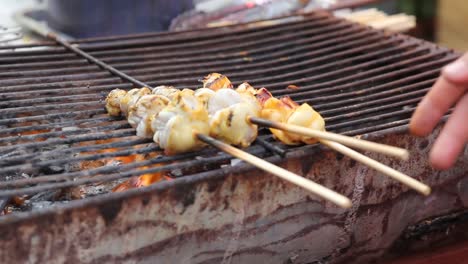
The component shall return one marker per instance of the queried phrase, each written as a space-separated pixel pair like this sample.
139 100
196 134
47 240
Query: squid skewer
182 125
307 126
221 108
304 124
298 126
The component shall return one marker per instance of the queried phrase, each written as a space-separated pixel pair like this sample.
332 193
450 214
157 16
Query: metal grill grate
361 80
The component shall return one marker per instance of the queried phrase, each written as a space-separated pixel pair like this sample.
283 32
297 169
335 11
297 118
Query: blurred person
450 89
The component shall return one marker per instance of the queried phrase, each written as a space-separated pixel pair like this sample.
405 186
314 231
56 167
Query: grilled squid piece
248 94
131 98
245 87
113 101
223 98
141 116
216 81
166 91
204 95
229 111
306 116
175 125
285 110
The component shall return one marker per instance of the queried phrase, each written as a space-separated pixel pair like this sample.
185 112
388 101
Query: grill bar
186 40
279 69
271 147
70 152
307 87
361 80
91 121
100 63
408 110
259 54
81 138
74 114
388 76
270 57
115 176
67 133
257 61
409 54
182 49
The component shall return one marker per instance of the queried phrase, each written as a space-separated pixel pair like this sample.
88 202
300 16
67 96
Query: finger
450 86
453 137
457 72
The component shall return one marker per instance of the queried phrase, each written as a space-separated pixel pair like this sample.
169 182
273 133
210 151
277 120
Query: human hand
449 89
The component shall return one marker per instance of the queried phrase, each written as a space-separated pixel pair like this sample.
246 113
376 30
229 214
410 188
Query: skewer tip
405 155
425 190
345 203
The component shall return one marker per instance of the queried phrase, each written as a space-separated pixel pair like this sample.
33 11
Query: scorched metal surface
364 82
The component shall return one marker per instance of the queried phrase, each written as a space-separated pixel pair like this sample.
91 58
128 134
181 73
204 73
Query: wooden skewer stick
307 184
345 140
403 178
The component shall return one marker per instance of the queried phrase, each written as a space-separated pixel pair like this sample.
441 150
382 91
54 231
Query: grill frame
151 220
109 213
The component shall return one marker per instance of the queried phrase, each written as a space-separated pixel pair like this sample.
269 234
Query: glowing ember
292 87
14 201
134 182
142 180
30 123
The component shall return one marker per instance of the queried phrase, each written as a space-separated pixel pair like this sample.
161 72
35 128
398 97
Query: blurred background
438 21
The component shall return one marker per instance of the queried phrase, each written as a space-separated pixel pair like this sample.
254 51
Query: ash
51 198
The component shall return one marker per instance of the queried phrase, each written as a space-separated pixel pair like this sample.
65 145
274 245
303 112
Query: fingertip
440 161
416 130
452 139
420 124
445 151
457 71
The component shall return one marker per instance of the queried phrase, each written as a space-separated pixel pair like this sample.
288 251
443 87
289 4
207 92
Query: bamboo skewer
307 184
349 141
403 178
333 141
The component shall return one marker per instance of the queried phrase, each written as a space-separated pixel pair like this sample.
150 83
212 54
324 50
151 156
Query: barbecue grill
56 138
